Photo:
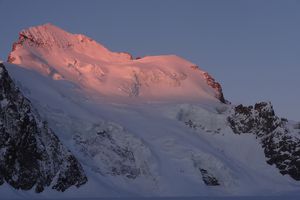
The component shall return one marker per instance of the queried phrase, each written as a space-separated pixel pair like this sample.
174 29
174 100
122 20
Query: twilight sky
251 47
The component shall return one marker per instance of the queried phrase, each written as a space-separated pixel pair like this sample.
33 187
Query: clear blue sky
251 47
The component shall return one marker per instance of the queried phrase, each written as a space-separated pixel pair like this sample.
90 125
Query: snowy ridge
100 72
50 37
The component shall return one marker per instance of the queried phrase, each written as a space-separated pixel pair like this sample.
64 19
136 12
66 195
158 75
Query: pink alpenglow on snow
152 126
100 72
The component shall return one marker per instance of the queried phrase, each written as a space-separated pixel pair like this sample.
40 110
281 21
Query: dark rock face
259 119
212 83
280 146
215 85
31 155
208 178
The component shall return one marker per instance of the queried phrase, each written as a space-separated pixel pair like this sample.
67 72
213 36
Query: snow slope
96 70
127 121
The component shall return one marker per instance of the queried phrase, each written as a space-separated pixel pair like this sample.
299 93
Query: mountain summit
88 122
92 67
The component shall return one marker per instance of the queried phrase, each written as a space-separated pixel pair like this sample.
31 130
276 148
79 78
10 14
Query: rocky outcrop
215 85
31 155
208 178
280 146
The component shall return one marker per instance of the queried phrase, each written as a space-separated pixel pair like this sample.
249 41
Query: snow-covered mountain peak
50 38
48 35
98 71
73 113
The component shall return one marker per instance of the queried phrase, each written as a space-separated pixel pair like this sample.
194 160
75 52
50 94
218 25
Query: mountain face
281 147
31 154
152 126
92 67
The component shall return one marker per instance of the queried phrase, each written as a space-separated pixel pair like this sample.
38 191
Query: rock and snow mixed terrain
31 154
153 126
